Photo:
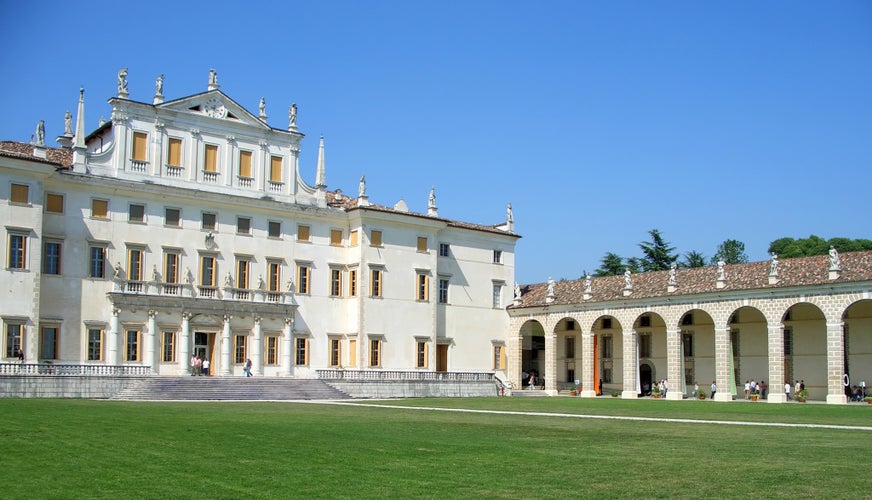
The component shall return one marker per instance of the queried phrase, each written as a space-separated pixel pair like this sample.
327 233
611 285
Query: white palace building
184 228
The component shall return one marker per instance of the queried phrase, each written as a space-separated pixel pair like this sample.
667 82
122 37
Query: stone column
226 348
631 365
149 340
776 379
514 345
836 364
723 375
288 352
588 390
185 345
112 340
551 364
674 364
257 348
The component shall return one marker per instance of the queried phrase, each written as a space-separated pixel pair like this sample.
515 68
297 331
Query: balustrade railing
66 370
210 176
245 182
136 287
138 166
394 375
175 171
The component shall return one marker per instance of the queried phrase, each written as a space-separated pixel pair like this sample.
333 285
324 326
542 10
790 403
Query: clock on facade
214 108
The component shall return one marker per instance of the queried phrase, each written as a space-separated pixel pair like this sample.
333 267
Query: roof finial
431 203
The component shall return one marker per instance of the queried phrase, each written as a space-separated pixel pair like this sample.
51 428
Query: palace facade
184 228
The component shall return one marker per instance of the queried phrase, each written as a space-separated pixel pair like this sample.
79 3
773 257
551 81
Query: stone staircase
226 389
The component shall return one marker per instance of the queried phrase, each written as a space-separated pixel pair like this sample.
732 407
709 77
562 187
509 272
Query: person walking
787 389
247 368
714 389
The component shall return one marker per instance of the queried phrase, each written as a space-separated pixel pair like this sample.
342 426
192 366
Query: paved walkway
607 417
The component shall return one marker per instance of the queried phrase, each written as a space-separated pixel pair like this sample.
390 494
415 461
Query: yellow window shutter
245 164
275 169
140 141
211 158
174 153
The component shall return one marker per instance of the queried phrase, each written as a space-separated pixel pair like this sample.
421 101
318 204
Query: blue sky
598 121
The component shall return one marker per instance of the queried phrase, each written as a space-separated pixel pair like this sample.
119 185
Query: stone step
227 388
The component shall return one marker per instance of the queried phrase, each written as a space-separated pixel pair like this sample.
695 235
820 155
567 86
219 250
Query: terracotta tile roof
340 200
55 156
801 271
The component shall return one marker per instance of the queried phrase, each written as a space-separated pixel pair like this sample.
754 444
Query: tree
657 255
815 245
693 259
611 264
731 252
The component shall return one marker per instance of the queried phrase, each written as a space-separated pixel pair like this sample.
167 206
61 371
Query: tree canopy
731 252
657 255
611 265
815 245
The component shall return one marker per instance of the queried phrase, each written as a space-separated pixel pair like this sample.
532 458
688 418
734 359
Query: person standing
787 389
714 389
206 367
193 364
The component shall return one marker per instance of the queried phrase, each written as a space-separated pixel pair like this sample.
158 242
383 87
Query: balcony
175 172
245 182
138 166
210 176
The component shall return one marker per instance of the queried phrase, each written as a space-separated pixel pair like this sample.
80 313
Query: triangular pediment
214 104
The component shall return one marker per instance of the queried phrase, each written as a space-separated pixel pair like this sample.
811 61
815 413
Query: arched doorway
646 376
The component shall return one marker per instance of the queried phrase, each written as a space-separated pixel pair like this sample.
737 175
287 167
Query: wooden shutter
174 153
140 141
275 169
211 158
245 164
54 203
20 193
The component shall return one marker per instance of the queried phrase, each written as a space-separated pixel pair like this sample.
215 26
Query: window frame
139 146
336 282
301 351
14 340
210 158
180 150
168 219
103 259
168 346
444 250
422 286
243 225
136 344
272 344
51 200
100 206
17 251
422 353
18 190
203 221
52 261
422 244
376 282
375 352
271 233
304 233
376 238
240 349
54 342
304 278
93 346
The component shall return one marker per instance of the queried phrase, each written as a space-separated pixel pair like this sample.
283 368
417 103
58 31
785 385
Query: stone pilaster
630 364
149 339
722 364
288 354
112 339
514 345
551 364
776 364
835 364
588 390
185 345
674 364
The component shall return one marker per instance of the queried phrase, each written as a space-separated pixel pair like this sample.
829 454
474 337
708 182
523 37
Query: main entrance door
204 347
442 358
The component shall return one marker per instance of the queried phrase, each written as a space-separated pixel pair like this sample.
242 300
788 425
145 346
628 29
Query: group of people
753 388
856 392
532 380
798 386
199 365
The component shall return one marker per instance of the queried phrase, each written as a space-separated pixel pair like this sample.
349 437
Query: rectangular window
498 256
14 339
174 152
570 347
239 343
645 345
243 225
375 352
242 268
687 344
422 243
302 233
353 238
48 343
51 258
172 217
134 264
301 351
20 193
335 352
443 290
171 266
788 341
274 229
497 295
444 249
423 288
17 251
421 354
136 213
274 273
54 203
303 275
210 158
352 283
499 357
375 238
95 344
375 283
335 283
140 143
352 352
336 237
97 262
209 220
245 164
168 347
100 209
207 270
132 352
272 350
275 169
607 346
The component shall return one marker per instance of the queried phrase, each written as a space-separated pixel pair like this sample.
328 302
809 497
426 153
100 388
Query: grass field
102 449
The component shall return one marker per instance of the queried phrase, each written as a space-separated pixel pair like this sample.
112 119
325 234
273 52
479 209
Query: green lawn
79 448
